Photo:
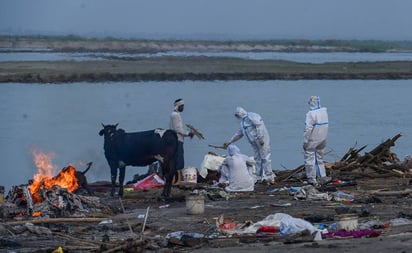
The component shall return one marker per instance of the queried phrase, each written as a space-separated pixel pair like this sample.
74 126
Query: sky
210 19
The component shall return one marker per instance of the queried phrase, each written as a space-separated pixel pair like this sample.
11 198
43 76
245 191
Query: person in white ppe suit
314 143
253 127
234 171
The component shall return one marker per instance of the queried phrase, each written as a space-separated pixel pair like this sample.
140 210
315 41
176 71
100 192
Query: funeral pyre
50 196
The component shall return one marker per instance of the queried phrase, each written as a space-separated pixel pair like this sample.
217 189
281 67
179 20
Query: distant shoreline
195 68
72 43
173 68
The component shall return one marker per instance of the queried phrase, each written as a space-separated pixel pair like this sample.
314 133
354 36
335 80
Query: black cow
139 149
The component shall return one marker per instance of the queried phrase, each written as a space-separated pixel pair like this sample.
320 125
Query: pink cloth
355 234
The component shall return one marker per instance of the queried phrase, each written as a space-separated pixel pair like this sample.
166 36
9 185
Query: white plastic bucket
195 204
348 222
189 175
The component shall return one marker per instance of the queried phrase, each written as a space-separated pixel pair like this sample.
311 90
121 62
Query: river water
64 119
303 57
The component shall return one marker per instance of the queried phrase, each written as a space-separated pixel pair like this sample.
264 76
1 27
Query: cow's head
108 131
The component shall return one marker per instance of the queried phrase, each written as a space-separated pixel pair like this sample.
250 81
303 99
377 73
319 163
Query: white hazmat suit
234 171
314 143
253 127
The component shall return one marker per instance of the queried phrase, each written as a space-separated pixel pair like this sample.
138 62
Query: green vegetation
295 45
195 68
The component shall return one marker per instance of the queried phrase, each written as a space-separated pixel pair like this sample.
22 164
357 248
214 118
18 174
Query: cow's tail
176 177
89 164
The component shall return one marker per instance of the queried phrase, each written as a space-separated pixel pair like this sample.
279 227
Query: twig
215 146
127 219
284 167
125 246
196 132
77 240
144 222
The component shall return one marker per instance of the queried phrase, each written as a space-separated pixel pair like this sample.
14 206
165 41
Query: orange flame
65 179
36 214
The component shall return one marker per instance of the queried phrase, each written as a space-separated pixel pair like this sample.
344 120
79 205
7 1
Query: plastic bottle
320 226
333 227
342 196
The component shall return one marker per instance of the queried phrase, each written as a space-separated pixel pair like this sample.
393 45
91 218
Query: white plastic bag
210 162
290 225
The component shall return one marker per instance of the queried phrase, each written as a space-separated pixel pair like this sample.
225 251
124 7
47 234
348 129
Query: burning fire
44 177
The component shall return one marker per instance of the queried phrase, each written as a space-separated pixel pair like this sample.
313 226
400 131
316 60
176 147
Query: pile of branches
380 162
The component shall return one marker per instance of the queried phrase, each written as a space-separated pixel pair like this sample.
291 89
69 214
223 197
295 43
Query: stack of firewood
380 162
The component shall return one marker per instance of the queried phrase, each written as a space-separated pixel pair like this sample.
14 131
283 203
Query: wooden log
81 248
379 150
361 174
383 170
392 193
294 172
398 172
352 153
55 220
195 132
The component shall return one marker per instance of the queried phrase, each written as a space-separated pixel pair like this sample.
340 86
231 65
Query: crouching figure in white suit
234 171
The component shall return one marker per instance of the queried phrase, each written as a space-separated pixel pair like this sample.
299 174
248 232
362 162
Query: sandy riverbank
195 68
135 69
